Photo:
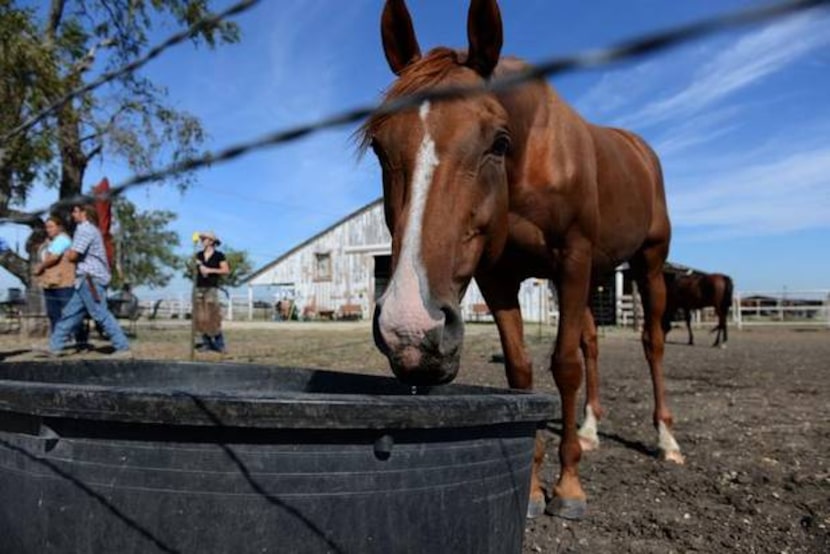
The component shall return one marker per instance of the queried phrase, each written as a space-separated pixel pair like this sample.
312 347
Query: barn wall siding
352 246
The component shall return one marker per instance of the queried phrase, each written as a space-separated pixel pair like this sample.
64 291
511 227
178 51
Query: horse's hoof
567 508
535 508
588 444
673 456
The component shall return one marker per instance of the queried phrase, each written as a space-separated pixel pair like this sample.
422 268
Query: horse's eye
501 146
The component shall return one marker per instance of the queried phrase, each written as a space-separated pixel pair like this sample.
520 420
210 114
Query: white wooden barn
347 266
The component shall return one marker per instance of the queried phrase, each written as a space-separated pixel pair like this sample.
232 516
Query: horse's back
568 172
632 200
698 291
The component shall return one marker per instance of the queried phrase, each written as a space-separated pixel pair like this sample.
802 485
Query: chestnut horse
502 187
695 291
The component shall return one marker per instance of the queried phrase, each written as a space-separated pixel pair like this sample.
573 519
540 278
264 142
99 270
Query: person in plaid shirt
92 276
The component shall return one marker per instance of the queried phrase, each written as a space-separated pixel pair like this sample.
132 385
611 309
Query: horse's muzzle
421 356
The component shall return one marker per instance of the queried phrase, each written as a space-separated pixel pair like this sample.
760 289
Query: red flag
103 206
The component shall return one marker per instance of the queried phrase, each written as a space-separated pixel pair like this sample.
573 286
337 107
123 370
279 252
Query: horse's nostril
450 316
453 328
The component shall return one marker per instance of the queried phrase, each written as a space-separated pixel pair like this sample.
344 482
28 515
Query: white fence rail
808 308
749 308
233 308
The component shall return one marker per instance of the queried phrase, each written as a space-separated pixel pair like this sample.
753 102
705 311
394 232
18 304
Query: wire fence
636 47
646 44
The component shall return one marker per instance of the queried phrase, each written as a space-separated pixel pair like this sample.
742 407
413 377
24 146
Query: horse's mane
422 74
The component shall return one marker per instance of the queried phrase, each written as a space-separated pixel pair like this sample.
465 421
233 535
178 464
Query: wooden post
193 302
251 303
737 313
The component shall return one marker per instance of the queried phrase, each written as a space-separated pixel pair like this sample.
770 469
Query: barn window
322 266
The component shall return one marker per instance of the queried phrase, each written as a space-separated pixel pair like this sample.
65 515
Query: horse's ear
399 42
484 32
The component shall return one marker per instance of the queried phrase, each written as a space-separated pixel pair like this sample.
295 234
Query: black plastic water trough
150 456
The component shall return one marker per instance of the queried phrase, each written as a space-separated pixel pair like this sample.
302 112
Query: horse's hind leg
648 266
588 437
688 315
503 301
724 325
721 328
717 336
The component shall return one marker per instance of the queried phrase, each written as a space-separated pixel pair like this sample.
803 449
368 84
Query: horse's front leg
648 270
588 436
566 365
502 296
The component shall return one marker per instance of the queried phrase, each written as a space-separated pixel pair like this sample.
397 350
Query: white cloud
779 195
749 60
619 88
697 130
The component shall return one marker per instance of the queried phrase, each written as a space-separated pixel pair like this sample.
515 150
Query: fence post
737 315
618 293
251 303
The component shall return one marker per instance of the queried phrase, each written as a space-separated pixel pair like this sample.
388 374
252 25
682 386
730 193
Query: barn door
383 272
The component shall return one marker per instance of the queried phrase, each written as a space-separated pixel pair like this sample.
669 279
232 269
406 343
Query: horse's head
444 190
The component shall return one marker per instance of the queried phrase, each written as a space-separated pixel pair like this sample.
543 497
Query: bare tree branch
16 265
55 16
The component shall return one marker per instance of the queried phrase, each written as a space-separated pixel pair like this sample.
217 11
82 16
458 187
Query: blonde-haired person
211 265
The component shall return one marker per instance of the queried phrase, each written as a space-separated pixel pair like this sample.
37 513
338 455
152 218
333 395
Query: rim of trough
445 406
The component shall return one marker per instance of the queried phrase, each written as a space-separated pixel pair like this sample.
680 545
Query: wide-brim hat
210 235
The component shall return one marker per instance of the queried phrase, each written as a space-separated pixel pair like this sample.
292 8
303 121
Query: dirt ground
753 421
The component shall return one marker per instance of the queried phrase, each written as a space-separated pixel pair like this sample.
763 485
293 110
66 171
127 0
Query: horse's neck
537 116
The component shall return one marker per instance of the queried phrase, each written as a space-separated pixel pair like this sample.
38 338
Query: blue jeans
56 299
81 303
216 343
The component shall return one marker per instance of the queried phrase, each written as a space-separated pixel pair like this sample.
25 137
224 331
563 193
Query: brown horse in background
696 291
502 187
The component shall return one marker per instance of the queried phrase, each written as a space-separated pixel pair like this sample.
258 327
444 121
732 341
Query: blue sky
740 120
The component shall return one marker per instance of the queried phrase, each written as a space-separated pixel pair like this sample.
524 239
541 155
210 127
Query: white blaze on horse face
404 315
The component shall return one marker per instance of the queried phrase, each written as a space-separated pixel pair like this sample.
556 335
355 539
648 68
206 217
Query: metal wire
588 59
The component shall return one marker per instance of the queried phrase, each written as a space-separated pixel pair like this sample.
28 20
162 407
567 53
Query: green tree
240 265
145 249
238 261
44 54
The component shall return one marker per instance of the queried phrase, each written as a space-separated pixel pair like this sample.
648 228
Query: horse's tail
726 301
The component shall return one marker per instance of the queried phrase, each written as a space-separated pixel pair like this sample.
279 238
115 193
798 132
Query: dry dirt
753 421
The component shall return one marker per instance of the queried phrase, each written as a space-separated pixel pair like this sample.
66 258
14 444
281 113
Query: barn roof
311 239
